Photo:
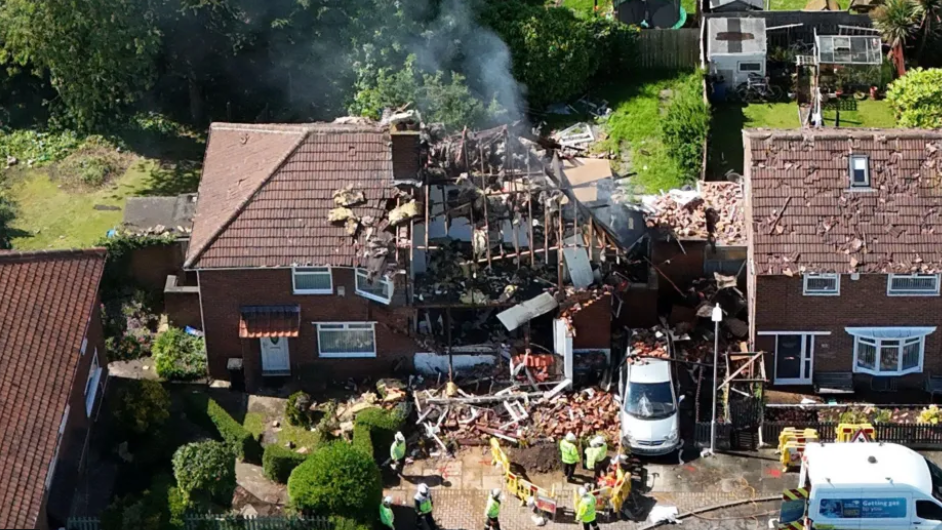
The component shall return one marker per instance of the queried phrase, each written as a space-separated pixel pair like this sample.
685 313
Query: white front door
275 357
794 356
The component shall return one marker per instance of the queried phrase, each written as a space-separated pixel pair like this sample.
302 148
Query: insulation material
522 313
340 215
349 196
404 213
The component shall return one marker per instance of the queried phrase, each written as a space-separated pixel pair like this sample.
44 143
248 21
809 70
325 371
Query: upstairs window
379 290
312 280
859 171
822 284
912 285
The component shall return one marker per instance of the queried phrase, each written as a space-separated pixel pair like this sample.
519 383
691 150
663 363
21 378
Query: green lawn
584 8
729 121
798 5
255 423
634 128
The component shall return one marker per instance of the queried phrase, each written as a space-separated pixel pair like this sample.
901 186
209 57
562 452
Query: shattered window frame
385 285
833 289
311 271
355 327
912 289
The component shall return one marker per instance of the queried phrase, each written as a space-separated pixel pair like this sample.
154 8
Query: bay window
889 351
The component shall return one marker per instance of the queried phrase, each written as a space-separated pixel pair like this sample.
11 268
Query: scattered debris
404 213
340 215
348 196
715 211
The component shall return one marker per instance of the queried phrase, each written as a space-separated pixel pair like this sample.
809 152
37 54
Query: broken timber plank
481 399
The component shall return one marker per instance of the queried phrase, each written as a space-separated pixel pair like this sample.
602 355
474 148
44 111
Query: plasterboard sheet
524 312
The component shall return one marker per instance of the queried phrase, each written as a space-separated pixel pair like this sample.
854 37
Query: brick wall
677 265
225 291
149 266
781 306
182 303
593 325
71 449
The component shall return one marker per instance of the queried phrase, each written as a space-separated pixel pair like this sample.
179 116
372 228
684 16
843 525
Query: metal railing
226 522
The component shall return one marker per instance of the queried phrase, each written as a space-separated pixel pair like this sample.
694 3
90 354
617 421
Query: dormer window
859 171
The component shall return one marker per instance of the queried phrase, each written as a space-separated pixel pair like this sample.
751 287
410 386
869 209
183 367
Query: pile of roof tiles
715 211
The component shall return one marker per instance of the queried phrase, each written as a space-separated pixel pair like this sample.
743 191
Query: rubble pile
651 342
515 415
715 210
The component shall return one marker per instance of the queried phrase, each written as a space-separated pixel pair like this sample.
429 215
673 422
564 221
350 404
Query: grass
634 129
255 423
49 216
584 8
798 5
729 121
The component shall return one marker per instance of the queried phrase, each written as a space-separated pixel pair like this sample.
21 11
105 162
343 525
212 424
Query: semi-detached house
281 286
845 254
52 376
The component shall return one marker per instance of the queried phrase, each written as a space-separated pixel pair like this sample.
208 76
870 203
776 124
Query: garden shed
736 47
734 6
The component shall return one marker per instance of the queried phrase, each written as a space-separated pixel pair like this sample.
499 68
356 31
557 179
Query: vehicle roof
649 371
837 464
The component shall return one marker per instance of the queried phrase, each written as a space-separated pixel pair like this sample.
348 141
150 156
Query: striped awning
259 321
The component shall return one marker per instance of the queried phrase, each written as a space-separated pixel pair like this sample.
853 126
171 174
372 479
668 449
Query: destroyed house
295 252
845 256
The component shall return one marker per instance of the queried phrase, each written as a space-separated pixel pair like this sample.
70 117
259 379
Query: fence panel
83 523
915 435
669 49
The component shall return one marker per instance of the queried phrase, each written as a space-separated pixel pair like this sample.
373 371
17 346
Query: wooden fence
669 49
227 522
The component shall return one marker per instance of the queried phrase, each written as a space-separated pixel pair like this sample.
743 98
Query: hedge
362 438
337 479
278 462
382 425
244 444
344 523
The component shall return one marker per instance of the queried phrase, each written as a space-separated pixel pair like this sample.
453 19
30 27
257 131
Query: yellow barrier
855 432
521 488
791 445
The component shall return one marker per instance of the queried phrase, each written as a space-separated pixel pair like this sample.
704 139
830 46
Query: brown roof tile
48 299
266 192
806 218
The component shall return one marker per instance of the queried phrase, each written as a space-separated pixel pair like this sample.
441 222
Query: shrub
278 462
381 424
297 410
179 355
337 479
205 473
362 439
344 523
152 510
685 127
244 444
916 98
143 407
931 415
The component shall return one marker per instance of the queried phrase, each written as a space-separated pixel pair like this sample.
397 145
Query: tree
916 98
929 15
896 20
7 215
97 54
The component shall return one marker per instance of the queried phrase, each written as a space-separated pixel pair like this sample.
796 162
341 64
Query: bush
916 98
362 439
244 444
337 479
685 127
205 473
143 407
152 510
278 462
297 410
344 523
381 425
179 355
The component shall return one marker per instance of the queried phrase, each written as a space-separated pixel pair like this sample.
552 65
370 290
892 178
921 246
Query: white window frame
334 326
386 282
808 346
902 292
306 271
832 292
851 169
92 383
743 63
875 337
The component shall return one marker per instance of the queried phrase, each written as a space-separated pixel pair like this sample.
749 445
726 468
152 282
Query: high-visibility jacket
585 513
398 450
570 453
594 455
423 505
493 508
386 515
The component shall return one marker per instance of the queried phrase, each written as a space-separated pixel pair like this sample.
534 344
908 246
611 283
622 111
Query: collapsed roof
712 212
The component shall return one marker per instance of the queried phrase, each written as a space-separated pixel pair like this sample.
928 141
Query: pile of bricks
649 343
585 414
717 210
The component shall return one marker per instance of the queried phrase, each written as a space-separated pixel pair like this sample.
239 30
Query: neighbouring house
736 48
735 6
282 287
51 378
845 254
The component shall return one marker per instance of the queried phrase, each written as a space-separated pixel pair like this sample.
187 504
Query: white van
870 486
